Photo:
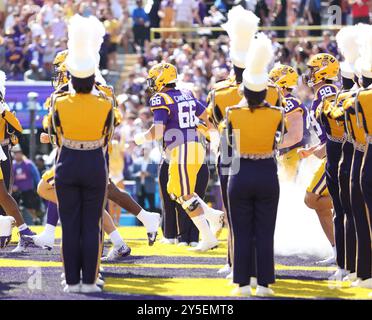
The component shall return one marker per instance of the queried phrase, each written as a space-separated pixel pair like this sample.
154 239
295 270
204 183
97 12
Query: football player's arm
295 127
156 131
214 136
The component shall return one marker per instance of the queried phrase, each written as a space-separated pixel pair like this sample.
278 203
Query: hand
139 138
44 138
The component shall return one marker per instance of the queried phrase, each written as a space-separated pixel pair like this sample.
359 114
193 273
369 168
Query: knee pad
189 205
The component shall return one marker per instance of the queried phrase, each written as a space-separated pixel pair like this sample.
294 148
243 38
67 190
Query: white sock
22 227
116 239
49 229
203 227
142 216
334 251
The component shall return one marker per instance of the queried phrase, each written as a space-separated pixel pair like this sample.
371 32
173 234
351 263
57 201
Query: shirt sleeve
292 105
157 102
160 116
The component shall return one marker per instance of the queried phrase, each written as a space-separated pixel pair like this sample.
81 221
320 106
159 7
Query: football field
162 272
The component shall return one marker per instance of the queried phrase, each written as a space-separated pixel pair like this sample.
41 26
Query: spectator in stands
113 27
26 179
126 31
35 51
34 73
141 23
144 173
313 11
40 164
167 15
185 13
14 60
360 11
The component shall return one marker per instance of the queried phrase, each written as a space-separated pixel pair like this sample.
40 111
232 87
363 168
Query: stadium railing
201 31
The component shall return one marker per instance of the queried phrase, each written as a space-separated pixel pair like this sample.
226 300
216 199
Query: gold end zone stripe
13 263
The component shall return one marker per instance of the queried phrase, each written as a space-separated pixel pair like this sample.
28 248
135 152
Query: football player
322 71
286 78
9 125
176 115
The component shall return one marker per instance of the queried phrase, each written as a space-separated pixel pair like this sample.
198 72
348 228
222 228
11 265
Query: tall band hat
80 61
260 54
241 27
347 42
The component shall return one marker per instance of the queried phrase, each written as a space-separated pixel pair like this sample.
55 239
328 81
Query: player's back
179 113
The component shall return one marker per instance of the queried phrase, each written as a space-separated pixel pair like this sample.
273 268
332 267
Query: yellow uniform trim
49 176
166 97
12 120
365 102
160 107
318 184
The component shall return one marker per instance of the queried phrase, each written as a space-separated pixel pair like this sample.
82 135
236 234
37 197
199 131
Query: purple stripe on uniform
52 215
180 169
187 175
323 189
318 184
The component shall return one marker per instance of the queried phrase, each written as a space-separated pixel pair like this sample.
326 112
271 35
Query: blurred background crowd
33 31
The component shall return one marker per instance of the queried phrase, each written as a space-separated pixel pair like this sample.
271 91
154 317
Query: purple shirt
14 57
178 110
23 175
323 91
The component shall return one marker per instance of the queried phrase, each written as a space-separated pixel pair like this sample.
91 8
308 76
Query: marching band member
362 110
81 169
176 113
322 70
286 78
254 191
345 235
10 129
241 27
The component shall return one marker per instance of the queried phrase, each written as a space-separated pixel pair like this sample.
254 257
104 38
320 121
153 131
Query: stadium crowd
34 31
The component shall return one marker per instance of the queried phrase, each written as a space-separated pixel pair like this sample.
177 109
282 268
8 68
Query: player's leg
290 162
151 220
169 215
184 166
11 209
6 168
317 198
120 249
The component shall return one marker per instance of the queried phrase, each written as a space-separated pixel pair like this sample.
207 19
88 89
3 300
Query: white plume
2 83
79 36
347 42
366 49
259 55
241 27
97 33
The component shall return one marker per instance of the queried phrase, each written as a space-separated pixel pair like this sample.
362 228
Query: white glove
215 141
139 138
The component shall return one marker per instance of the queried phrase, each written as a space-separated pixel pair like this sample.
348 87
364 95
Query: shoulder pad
224 84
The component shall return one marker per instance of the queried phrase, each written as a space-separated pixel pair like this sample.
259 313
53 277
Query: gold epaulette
225 84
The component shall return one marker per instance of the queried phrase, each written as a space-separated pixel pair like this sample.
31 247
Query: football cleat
43 240
215 219
366 283
116 254
193 244
182 244
204 246
24 241
264 292
151 237
100 282
356 283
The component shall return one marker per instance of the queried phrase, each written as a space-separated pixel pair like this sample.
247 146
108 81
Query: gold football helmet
322 66
284 76
60 71
160 75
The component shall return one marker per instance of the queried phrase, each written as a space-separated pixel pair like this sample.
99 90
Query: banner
16 98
